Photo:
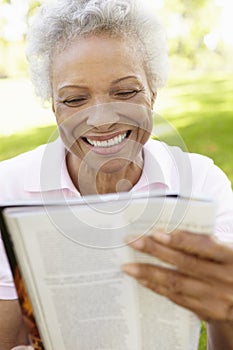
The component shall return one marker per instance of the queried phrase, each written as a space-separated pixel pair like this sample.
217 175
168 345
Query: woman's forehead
101 47
97 56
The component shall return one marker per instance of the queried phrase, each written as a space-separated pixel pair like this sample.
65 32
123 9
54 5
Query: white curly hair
60 22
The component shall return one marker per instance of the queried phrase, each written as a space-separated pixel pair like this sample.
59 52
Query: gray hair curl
59 23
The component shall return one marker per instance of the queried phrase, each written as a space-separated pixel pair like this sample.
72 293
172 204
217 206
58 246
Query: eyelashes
75 102
119 95
126 94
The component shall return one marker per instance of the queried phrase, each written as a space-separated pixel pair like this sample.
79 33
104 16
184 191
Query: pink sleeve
7 289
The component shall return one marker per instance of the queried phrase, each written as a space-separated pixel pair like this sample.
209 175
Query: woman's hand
202 280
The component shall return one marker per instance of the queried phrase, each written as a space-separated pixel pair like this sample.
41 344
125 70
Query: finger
206 311
206 301
179 283
215 302
202 245
187 264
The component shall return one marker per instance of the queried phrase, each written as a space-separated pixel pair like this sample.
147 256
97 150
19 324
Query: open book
69 254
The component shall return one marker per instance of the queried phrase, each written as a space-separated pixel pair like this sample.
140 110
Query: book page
164 323
87 302
76 281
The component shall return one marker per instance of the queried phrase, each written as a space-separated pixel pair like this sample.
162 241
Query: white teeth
108 143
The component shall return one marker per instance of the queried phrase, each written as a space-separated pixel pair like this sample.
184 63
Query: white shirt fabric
43 171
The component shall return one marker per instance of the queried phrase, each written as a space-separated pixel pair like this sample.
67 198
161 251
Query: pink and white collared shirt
43 171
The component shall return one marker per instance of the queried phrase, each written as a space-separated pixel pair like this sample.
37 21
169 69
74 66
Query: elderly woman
100 63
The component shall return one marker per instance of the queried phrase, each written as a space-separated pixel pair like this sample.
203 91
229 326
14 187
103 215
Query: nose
102 115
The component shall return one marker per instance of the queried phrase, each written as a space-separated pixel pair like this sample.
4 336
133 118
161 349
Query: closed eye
126 94
75 102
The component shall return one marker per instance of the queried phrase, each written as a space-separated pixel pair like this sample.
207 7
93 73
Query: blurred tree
189 22
33 5
14 19
189 25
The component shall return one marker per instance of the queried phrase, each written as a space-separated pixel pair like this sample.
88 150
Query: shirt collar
47 170
157 166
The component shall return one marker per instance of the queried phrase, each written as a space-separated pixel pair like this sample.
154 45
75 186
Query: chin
113 166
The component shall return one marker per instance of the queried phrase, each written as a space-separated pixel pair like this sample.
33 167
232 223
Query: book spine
24 300
27 311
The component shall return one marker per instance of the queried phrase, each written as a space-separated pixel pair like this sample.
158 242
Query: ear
53 108
153 98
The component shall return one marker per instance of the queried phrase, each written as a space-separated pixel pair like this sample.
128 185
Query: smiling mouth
109 142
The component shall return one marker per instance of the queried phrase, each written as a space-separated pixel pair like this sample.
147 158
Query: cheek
145 99
145 130
71 125
62 113
69 119
136 115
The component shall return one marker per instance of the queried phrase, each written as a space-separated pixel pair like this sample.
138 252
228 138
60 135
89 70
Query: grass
199 108
202 111
15 144
202 341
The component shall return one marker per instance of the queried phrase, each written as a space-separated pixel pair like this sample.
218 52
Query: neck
89 181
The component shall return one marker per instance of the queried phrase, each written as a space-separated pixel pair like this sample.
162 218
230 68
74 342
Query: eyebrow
84 87
71 86
124 78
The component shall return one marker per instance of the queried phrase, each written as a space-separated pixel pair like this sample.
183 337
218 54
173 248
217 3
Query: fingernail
161 237
138 243
143 282
131 238
131 270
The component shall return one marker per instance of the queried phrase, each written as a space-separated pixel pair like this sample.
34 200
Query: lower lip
108 150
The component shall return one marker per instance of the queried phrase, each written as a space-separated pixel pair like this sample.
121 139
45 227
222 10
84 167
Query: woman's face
102 101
